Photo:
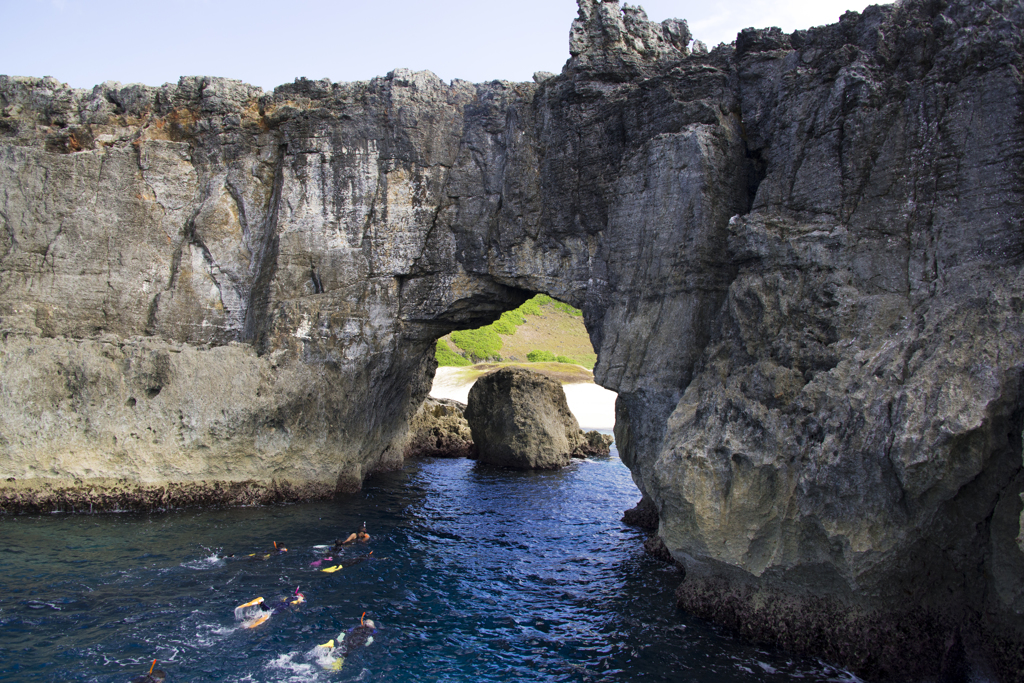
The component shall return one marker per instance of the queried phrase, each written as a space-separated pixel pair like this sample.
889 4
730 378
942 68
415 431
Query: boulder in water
439 429
520 419
593 443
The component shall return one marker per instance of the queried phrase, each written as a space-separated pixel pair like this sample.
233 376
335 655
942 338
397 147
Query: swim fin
331 570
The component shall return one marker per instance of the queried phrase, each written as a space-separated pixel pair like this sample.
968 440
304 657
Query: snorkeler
360 560
349 563
331 655
360 535
276 551
293 600
157 676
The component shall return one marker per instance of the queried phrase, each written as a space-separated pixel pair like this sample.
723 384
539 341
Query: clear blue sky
84 42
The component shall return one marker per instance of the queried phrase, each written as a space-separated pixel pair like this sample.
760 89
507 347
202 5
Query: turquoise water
477 574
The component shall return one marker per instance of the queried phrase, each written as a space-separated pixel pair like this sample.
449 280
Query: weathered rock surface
798 257
593 443
439 429
643 515
520 419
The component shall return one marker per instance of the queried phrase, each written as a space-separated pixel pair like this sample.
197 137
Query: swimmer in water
359 536
157 676
331 655
278 549
293 600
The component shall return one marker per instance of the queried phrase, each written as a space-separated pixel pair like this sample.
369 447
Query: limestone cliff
798 256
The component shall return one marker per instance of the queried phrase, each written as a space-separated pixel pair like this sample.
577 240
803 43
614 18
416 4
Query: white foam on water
209 634
290 669
203 563
325 658
248 613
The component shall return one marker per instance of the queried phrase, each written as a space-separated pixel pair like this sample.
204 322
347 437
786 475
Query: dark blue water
476 575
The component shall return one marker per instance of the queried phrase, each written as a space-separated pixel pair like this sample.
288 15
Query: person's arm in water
351 538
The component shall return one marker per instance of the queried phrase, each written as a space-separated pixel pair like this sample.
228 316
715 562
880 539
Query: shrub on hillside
508 322
448 358
539 356
532 306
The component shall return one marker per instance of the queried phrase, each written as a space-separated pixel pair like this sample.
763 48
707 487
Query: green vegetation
448 358
538 356
545 300
481 344
508 322
543 322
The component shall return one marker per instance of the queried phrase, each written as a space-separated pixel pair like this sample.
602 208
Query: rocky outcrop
520 419
593 443
643 515
798 257
440 430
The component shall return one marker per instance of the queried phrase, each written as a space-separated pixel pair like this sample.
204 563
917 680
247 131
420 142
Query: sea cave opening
543 335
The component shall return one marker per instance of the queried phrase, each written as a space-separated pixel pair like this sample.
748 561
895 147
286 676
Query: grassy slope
552 330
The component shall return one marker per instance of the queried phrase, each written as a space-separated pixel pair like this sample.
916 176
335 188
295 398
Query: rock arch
798 257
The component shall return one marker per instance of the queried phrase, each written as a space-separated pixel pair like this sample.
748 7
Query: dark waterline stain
476 575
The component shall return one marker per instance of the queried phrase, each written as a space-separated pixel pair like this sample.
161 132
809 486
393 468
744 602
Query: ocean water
476 574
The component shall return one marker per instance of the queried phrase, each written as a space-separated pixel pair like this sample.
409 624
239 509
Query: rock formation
798 257
520 419
439 429
593 443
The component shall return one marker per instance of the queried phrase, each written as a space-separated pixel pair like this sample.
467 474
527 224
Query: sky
267 43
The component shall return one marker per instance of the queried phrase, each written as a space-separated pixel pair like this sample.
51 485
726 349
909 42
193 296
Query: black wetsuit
356 638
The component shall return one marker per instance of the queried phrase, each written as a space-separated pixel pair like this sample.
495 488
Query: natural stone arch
840 300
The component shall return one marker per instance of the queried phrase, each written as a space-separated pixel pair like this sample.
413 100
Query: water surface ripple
477 574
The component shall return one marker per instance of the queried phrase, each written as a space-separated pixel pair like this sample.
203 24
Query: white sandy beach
593 406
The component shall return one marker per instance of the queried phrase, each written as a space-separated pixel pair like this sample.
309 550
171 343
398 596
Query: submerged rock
520 419
439 429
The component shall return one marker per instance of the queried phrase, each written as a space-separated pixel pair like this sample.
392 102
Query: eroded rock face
594 443
798 257
520 419
439 429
